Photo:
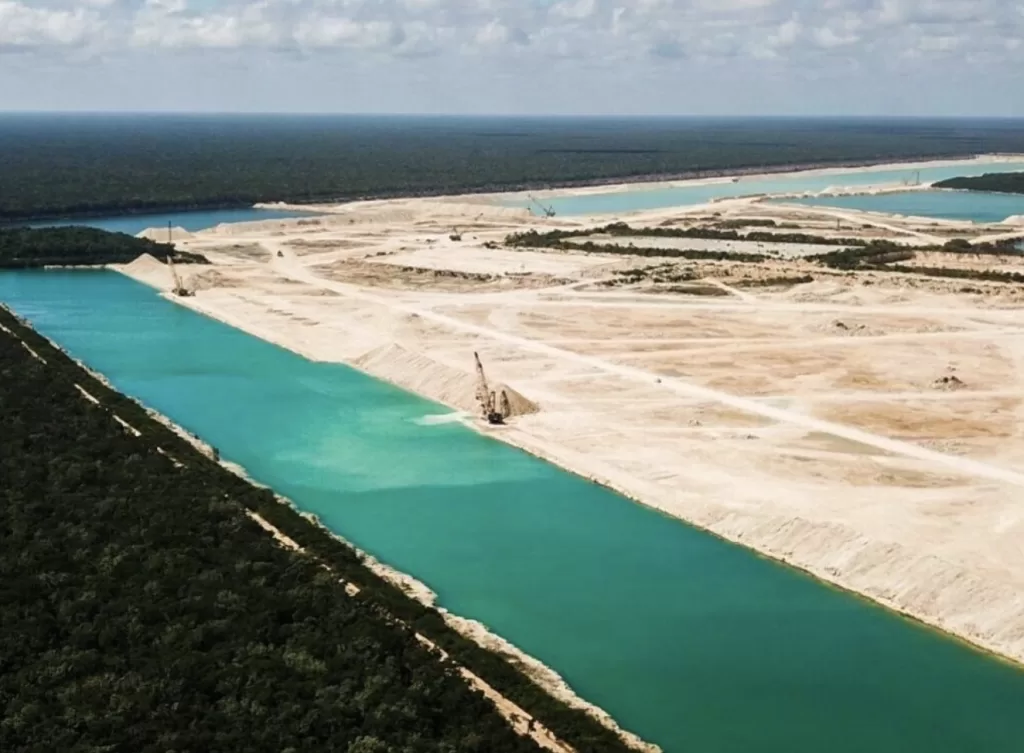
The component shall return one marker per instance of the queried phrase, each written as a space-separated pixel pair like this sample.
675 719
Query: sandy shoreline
752 174
736 532
655 182
931 534
505 201
544 676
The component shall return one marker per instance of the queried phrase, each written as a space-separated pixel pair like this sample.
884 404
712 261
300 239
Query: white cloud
576 10
510 39
329 31
493 33
168 24
24 26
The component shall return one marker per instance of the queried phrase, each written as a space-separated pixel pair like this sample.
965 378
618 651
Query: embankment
508 671
981 607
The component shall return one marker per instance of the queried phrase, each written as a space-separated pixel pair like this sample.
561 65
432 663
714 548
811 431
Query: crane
548 211
492 411
178 286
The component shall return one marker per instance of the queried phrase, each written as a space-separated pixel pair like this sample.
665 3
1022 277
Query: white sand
160 234
838 171
149 270
758 417
423 375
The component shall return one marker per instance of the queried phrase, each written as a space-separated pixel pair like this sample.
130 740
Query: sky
567 57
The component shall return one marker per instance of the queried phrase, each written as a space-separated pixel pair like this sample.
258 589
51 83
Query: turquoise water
662 198
976 206
134 224
695 644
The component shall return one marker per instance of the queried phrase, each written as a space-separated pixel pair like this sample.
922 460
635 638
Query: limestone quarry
864 426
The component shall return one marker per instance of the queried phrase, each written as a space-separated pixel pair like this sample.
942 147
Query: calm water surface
133 224
975 206
642 198
695 644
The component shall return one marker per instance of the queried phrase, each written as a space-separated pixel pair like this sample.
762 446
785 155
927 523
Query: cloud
574 40
24 26
574 10
334 32
170 24
594 29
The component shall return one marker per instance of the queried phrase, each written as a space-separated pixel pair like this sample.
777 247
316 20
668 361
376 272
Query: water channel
695 644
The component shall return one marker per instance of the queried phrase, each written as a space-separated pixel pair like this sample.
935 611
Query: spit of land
865 426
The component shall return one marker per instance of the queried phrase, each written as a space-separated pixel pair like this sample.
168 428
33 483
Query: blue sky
620 57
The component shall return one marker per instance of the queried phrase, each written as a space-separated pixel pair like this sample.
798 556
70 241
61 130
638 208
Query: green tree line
22 248
81 165
142 609
994 182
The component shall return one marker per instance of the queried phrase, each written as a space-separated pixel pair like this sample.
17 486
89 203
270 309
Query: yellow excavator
495 409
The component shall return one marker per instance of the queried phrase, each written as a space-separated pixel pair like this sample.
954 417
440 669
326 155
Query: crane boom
178 285
486 397
483 393
547 211
175 279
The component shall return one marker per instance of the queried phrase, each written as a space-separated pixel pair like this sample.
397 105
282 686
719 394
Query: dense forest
22 248
142 609
995 182
78 165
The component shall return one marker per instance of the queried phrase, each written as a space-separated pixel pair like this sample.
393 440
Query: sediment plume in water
425 376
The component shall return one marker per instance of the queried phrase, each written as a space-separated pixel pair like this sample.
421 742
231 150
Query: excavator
494 409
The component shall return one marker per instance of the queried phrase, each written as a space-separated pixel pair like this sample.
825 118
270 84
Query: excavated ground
864 426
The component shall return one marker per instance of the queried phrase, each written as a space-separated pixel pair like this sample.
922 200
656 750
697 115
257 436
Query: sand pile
159 234
446 384
149 270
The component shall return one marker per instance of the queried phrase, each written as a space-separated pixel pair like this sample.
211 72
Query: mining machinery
495 409
547 211
178 286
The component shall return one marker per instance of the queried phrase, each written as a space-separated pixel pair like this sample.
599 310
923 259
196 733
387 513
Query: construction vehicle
495 409
178 287
546 210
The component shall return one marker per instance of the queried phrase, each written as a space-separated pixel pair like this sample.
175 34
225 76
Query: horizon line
525 116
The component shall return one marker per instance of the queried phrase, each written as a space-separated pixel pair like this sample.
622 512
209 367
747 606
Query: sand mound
446 384
159 234
148 270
